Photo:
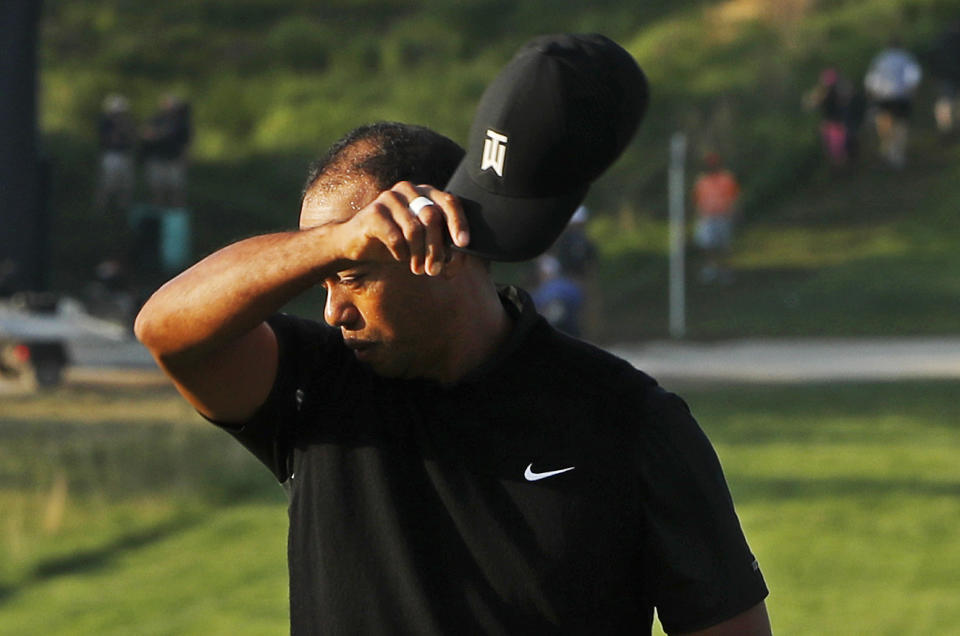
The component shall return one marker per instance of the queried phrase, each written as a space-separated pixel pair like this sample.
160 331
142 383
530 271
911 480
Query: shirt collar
523 314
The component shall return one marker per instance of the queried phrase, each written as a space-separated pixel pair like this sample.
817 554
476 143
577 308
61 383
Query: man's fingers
456 221
389 232
414 233
399 229
432 219
416 224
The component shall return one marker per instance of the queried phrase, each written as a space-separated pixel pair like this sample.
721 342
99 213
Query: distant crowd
159 147
156 151
886 98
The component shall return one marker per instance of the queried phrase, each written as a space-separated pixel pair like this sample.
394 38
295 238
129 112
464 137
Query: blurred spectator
841 108
891 81
944 62
558 298
577 256
574 249
164 145
118 136
716 194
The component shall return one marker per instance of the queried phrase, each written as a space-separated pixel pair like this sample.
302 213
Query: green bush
301 43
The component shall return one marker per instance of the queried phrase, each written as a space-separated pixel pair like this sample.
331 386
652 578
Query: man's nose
338 311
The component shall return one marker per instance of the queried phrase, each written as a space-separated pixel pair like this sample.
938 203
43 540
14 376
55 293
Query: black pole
21 213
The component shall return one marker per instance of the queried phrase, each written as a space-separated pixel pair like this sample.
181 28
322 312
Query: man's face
387 315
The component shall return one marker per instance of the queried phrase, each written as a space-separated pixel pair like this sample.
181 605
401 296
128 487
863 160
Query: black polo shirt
555 490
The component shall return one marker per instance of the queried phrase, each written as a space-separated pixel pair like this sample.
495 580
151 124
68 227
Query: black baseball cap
554 119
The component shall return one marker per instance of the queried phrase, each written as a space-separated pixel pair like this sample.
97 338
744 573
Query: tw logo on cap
494 152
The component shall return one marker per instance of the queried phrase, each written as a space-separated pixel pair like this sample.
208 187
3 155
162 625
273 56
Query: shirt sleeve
269 434
699 568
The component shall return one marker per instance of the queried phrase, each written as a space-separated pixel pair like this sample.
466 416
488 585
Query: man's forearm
232 291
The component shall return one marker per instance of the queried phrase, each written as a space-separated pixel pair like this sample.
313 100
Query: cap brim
504 228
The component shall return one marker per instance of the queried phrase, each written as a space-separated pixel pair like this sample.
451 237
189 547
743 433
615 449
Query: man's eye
350 279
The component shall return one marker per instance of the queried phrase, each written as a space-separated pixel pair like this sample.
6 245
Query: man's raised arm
206 328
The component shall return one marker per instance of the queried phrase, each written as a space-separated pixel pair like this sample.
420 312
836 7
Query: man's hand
387 228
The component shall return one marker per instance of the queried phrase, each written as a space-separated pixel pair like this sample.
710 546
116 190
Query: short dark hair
387 152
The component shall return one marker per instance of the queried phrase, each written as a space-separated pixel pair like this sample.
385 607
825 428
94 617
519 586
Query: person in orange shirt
716 194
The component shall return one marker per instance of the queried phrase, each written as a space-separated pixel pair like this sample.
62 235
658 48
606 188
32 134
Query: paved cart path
799 360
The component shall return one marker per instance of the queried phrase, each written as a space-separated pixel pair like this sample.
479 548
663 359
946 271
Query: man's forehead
336 202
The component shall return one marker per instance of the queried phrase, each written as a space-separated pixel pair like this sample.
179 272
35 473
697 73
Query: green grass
124 513
849 496
864 252
219 572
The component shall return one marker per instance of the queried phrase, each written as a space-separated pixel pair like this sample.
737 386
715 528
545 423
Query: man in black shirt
454 464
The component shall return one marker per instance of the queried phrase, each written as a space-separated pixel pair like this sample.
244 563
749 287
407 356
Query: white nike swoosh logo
532 476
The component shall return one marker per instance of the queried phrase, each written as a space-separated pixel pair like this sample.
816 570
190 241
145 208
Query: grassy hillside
273 82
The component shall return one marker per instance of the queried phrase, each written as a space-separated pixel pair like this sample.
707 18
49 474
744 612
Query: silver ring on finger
419 203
